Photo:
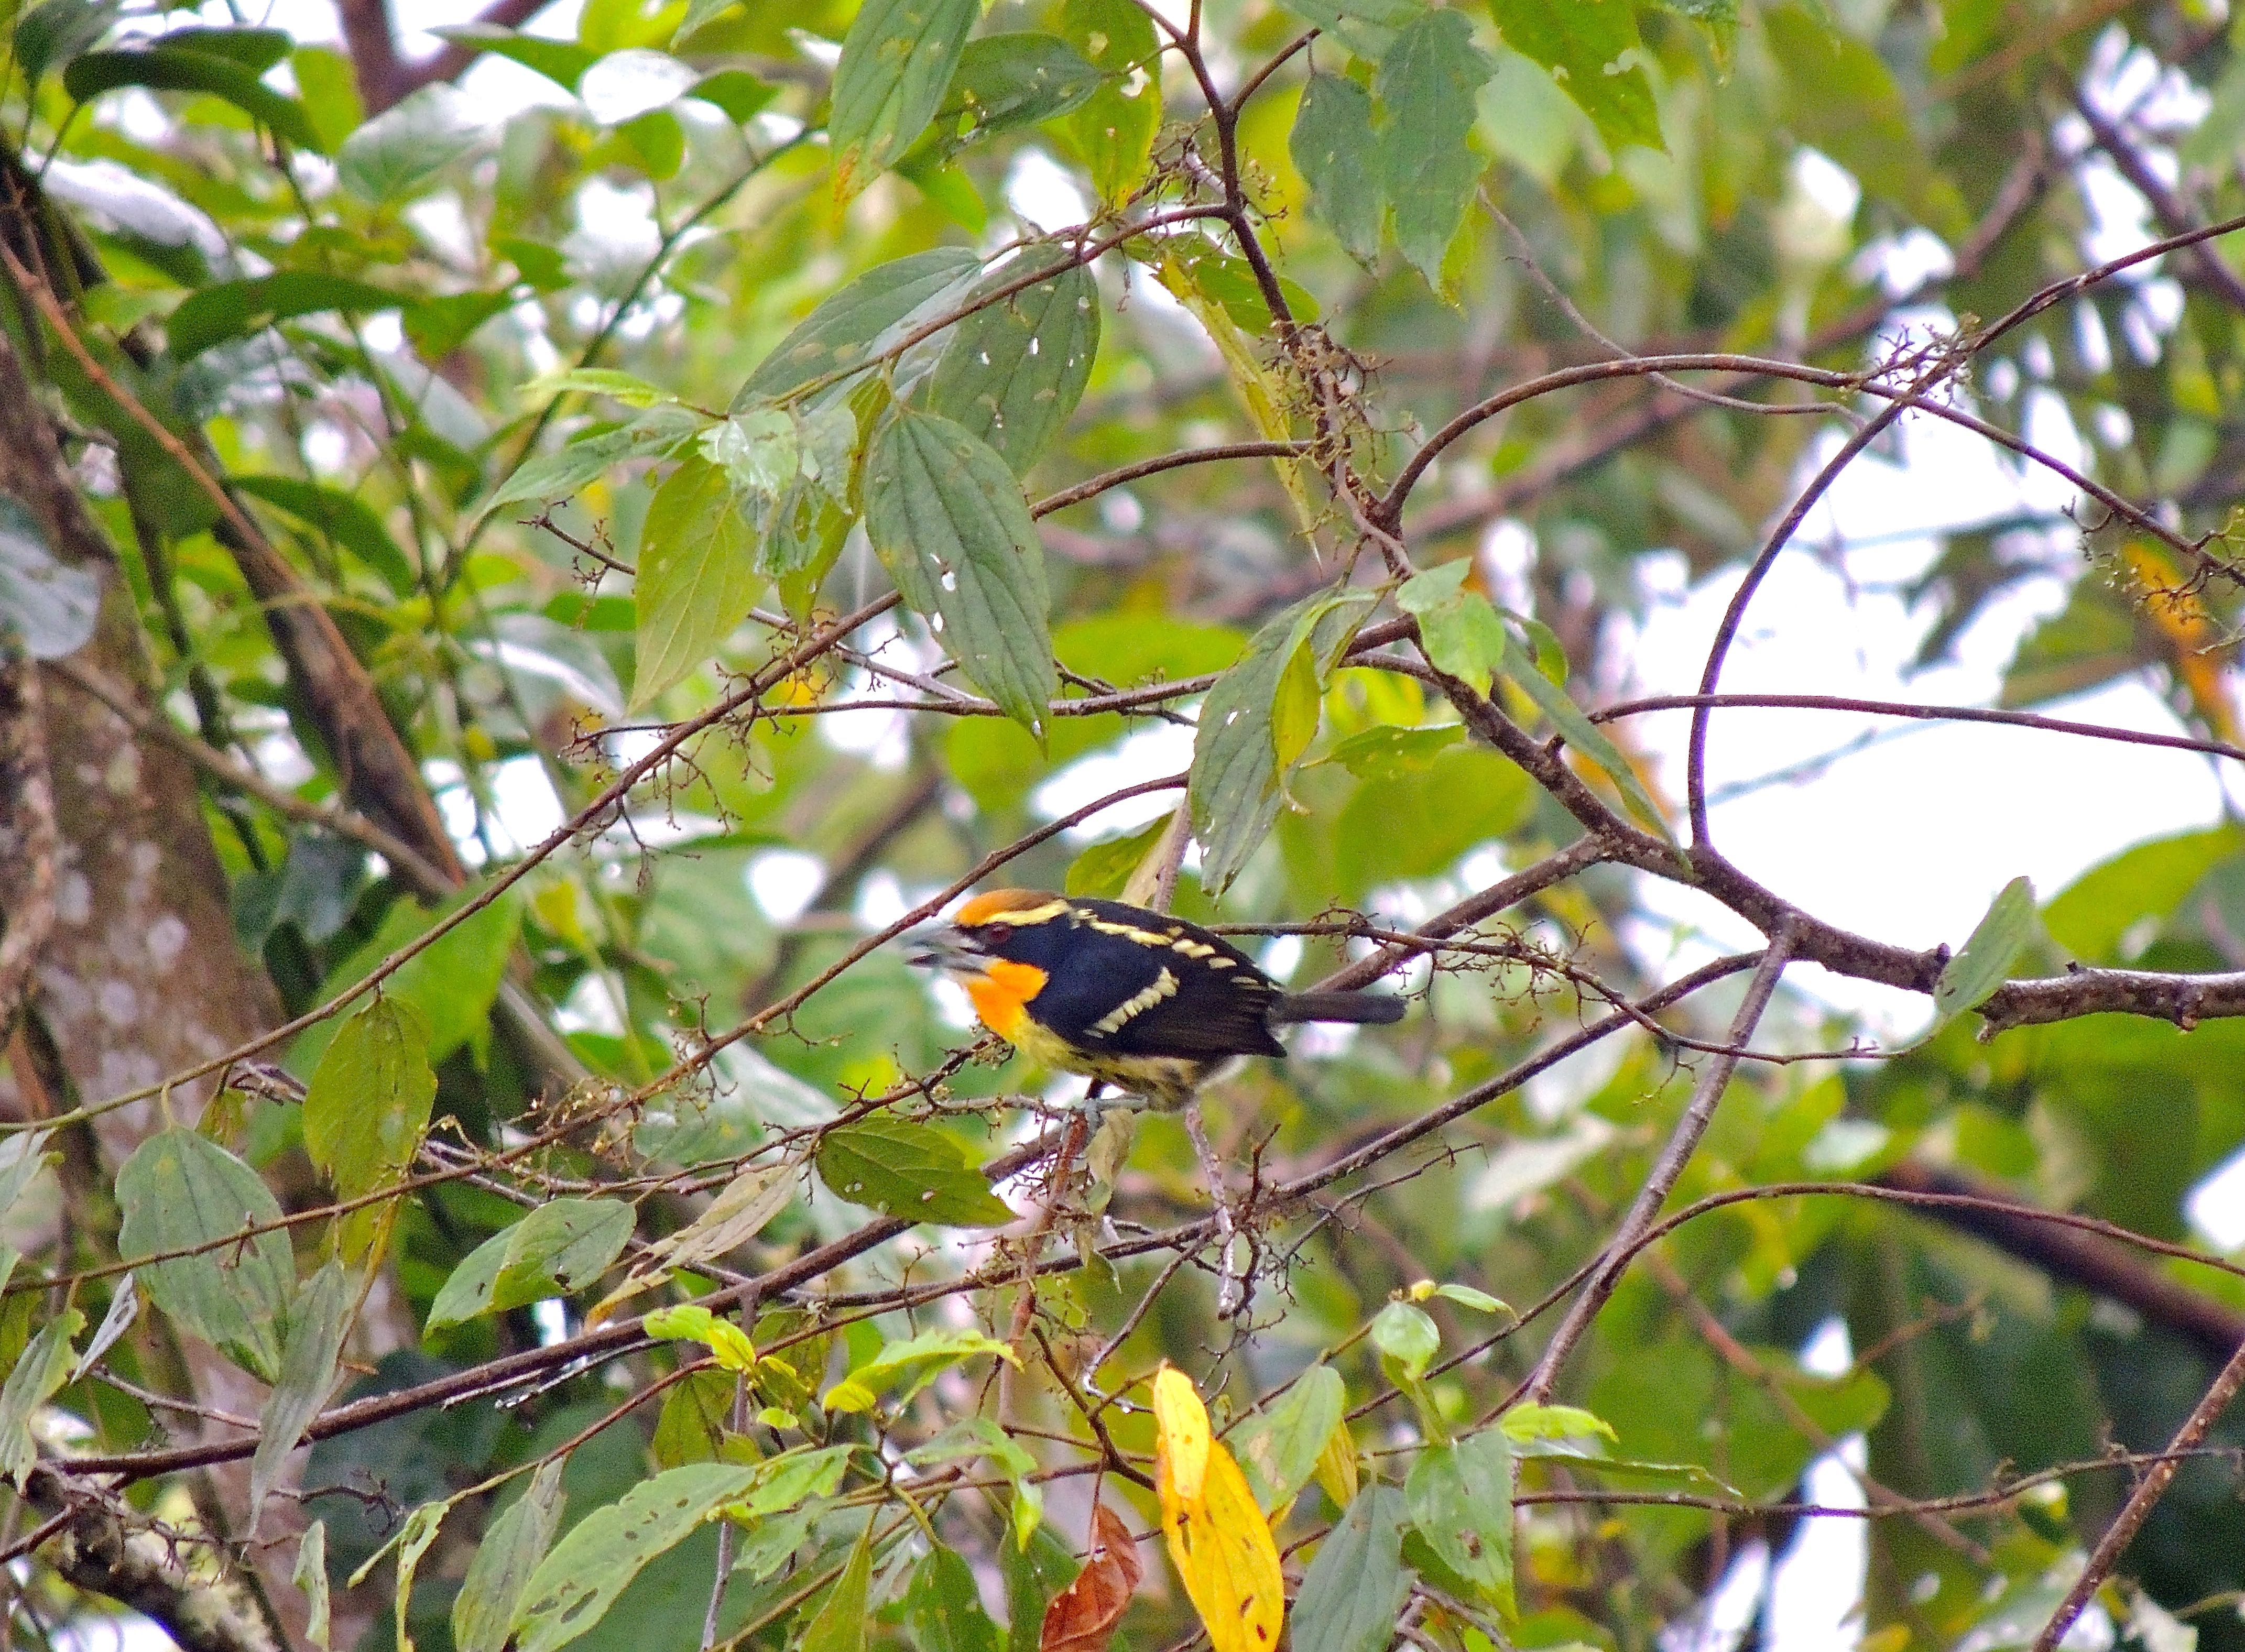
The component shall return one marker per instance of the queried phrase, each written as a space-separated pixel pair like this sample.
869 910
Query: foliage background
393 473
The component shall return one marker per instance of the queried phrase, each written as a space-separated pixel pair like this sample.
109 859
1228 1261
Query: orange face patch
1000 994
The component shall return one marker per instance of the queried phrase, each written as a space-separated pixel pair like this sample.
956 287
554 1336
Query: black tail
1371 1008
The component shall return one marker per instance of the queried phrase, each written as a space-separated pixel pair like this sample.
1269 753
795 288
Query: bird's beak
942 947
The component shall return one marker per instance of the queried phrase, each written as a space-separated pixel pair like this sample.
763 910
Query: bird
1135 999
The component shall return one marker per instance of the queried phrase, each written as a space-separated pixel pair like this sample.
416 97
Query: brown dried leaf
1082 1616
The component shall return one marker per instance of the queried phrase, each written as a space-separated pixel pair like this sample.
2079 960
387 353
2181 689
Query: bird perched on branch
1143 1001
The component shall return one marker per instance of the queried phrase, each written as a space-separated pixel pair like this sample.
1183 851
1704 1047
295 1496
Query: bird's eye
998 934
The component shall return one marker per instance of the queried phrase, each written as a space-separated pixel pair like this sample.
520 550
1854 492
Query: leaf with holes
482 1612
1013 373
562 1246
1582 43
896 62
1461 1502
181 1191
861 320
909 1170
949 523
1334 150
1114 130
1426 88
1218 1538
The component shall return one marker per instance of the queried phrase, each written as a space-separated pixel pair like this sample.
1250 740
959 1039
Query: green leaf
369 1100
1238 760
404 151
1013 373
310 1575
862 320
1480 1301
317 1322
1387 755
559 474
740 94
1990 952
181 1189
949 523
1461 1502
1006 81
1334 150
1573 724
1365 27
1357 1583
328 91
47 608
1581 43
256 49
451 983
691 1322
167 68
1279 1448
344 518
438 326
484 1611
233 309
969 1437
1034 1573
1528 1422
699 13
574 1587
39 1374
627 388
22 1156
2092 916
943 1607
896 62
52 34
793 1478
1408 1335
1114 131
562 62
697 576
1463 635
910 1170
1102 870
560 1247
840 1625
693 1426
1428 168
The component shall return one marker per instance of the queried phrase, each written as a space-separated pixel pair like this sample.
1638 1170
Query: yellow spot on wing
1165 985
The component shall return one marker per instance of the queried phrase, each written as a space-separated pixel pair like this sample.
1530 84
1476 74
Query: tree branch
1683 1141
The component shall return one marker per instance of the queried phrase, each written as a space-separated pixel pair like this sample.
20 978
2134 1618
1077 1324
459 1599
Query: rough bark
140 974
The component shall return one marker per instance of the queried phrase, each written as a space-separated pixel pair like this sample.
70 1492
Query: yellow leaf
1182 1422
1337 1467
1218 1537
